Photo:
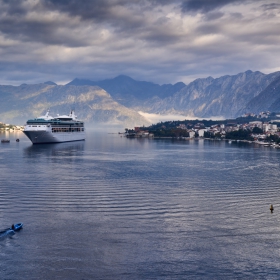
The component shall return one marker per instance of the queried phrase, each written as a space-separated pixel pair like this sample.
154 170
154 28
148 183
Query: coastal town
10 127
263 129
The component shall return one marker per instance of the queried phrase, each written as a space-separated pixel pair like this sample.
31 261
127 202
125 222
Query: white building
269 127
201 132
191 134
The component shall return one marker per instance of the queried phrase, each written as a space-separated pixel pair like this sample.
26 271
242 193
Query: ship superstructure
47 129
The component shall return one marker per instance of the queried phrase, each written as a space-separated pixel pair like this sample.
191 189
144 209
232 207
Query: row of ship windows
44 125
76 129
79 125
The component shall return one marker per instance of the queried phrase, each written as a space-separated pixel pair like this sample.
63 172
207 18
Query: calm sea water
117 208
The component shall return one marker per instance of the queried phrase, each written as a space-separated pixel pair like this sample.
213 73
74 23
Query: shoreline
259 143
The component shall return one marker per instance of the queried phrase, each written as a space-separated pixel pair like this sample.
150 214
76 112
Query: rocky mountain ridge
267 100
118 100
130 92
226 96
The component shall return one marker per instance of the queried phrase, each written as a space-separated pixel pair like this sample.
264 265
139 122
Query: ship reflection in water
69 149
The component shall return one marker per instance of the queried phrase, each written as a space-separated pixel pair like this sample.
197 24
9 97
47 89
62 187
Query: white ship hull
42 137
43 134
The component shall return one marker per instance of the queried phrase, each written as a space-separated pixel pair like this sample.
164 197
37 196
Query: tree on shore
257 130
240 134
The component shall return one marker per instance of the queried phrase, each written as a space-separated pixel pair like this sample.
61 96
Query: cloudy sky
154 40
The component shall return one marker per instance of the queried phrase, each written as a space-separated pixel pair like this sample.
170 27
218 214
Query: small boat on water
5 141
17 227
12 230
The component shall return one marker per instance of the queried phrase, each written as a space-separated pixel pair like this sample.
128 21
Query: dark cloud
35 22
271 6
205 6
122 16
46 33
13 7
236 16
147 39
99 10
213 16
208 28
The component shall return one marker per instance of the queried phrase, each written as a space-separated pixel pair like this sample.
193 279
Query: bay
117 208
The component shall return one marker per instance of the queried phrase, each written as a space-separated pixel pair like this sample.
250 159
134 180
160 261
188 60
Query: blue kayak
12 230
17 227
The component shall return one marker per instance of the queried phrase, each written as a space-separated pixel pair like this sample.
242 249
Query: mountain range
91 103
118 100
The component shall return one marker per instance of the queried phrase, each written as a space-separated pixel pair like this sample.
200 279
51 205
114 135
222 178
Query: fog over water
156 118
117 208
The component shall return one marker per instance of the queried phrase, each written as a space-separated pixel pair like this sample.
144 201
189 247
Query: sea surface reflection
117 208
67 149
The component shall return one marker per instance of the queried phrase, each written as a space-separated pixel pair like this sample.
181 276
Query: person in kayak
13 226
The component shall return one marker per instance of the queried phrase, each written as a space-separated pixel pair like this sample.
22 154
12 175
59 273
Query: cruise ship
47 129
